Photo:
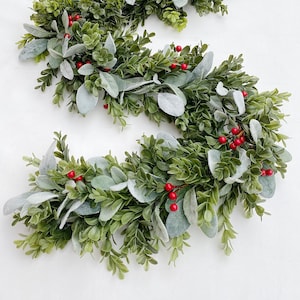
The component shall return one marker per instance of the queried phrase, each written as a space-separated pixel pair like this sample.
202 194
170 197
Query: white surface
265 263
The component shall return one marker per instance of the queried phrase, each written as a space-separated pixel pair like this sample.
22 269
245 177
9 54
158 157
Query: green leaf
176 222
180 3
73 207
255 129
243 167
213 157
86 69
108 212
130 2
98 161
48 162
85 101
140 193
203 68
221 90
38 31
118 175
239 101
171 104
110 44
94 233
65 20
210 229
33 49
102 182
74 50
119 187
44 182
177 92
86 209
168 140
15 203
268 186
40 197
190 206
109 84
159 227
66 70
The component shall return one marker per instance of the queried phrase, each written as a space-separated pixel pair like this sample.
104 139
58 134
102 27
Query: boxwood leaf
210 229
33 49
139 193
268 185
190 206
239 101
85 101
109 84
176 222
38 31
255 129
159 227
102 182
66 70
203 68
171 104
213 157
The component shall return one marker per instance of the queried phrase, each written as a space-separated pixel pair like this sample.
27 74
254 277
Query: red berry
235 130
106 69
243 139
172 196
173 207
71 174
79 178
183 66
169 187
222 139
173 66
237 142
232 146
67 35
70 17
76 17
79 64
88 62
178 48
269 172
245 94
105 106
262 172
70 23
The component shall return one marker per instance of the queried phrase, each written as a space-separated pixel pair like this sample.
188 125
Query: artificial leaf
110 44
73 207
55 62
243 167
40 197
203 68
180 3
190 206
62 206
74 50
176 222
85 101
220 116
119 187
178 92
48 162
216 102
268 184
45 183
54 26
117 174
131 2
94 233
33 49
140 193
15 203
213 157
65 20
239 101
66 70
86 209
109 84
210 229
38 31
102 182
255 129
86 69
221 90
159 227
168 140
75 242
99 161
171 104
108 212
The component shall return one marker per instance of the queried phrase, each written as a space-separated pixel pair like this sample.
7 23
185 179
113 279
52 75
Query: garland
228 153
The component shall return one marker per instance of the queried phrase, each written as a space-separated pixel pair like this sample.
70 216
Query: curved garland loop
228 153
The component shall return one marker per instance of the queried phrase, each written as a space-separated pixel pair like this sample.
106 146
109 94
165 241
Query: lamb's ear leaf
109 84
180 3
85 101
66 70
33 49
171 104
203 68
159 227
38 31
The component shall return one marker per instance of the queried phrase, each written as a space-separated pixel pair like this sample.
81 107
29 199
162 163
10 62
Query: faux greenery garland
228 153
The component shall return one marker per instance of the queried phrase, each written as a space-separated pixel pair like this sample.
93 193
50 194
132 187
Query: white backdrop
265 263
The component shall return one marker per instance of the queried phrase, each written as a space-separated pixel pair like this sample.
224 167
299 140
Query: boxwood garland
228 154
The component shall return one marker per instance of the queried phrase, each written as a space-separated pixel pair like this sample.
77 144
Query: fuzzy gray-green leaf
268 186
85 101
33 49
102 182
190 206
159 227
66 70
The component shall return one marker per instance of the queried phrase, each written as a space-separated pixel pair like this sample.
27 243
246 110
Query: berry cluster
72 175
183 66
237 138
266 172
73 18
169 187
